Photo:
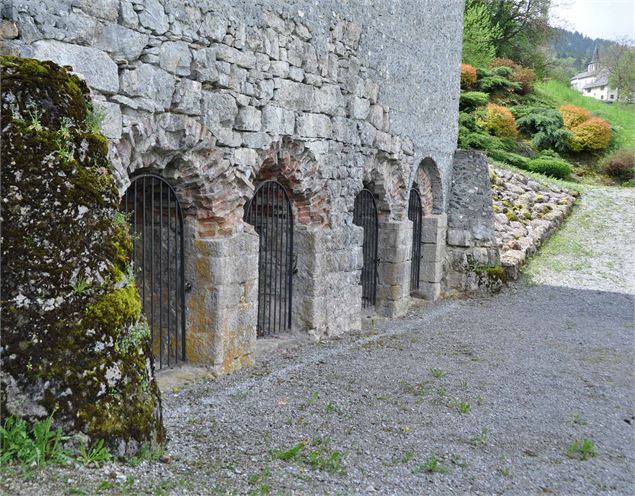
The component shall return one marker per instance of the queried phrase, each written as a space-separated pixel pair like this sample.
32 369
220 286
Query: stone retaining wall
526 212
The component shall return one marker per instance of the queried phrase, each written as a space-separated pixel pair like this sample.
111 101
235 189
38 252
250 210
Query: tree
619 59
479 33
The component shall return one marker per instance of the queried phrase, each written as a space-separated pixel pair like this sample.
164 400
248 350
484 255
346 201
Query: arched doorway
365 215
269 211
415 214
154 213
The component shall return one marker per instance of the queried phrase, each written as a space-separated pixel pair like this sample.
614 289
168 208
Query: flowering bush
572 115
499 121
591 135
468 76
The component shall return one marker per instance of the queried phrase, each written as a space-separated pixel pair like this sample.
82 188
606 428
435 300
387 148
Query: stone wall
325 97
471 239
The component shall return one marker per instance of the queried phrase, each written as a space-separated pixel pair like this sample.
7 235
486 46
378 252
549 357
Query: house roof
602 79
584 74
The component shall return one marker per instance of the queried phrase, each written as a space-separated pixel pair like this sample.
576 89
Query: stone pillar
433 233
393 269
222 305
329 263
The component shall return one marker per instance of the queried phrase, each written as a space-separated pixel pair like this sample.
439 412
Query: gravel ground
493 389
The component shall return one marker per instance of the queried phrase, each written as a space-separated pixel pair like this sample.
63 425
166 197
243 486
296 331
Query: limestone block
278 120
8 30
295 96
175 57
103 9
432 252
218 109
245 157
345 130
366 133
431 271
296 74
257 140
187 97
120 42
213 27
329 100
234 56
279 68
459 237
111 125
127 15
97 68
149 81
204 66
358 108
248 119
314 126
430 290
153 17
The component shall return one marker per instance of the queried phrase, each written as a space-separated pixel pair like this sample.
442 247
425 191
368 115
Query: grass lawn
621 116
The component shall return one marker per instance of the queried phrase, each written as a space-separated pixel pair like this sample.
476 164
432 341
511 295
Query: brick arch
428 182
183 152
386 178
295 167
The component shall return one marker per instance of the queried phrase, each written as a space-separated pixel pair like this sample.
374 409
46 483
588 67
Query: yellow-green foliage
591 135
70 311
499 121
572 115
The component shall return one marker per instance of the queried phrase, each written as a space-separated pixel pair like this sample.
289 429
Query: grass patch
431 466
315 454
582 449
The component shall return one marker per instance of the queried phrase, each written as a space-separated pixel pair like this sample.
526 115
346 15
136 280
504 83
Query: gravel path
473 396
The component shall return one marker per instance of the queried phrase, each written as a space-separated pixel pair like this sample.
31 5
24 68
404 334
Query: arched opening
156 220
428 179
415 214
270 212
365 216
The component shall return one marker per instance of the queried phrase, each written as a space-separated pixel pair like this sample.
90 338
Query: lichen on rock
72 330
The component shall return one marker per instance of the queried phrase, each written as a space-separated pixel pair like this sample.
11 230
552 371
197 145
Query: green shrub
472 99
509 158
544 125
499 121
550 167
524 76
620 165
39 445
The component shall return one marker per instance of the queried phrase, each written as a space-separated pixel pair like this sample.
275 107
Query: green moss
511 216
59 197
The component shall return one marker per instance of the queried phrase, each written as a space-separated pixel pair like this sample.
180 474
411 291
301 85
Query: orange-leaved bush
468 76
499 121
572 115
591 135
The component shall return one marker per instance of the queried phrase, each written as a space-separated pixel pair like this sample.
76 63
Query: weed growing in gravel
418 389
145 453
505 471
407 456
577 419
431 466
315 395
458 461
582 450
437 373
315 453
480 440
96 454
330 407
35 446
464 407
260 478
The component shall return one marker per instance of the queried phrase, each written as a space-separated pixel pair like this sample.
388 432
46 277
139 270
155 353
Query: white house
594 82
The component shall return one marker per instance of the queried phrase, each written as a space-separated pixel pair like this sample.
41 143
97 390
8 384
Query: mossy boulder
74 342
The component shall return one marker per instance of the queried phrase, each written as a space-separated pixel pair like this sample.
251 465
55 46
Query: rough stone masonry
326 97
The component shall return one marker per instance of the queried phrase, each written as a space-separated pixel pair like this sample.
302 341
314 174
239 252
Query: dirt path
476 396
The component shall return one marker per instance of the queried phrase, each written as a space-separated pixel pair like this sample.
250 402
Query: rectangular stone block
432 252
430 290
431 271
459 237
314 126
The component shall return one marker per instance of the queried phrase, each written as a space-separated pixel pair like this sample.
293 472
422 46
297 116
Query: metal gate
269 211
365 215
415 214
156 219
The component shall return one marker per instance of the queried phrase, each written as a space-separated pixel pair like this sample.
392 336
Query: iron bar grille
156 221
365 215
415 214
269 211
